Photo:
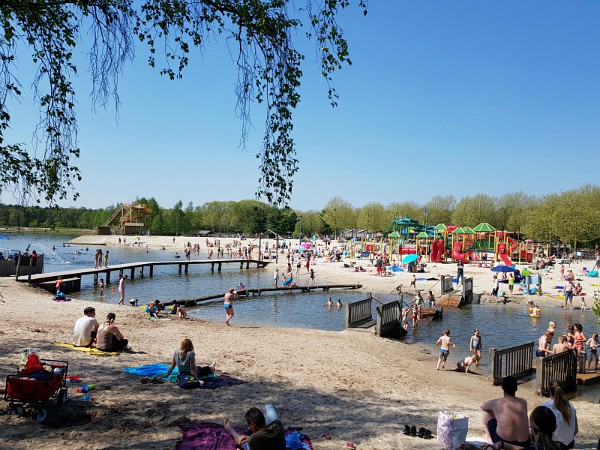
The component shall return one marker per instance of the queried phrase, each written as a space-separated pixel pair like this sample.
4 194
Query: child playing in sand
445 343
592 344
464 364
181 312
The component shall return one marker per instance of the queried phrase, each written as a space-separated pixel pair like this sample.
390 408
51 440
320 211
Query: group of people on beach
106 336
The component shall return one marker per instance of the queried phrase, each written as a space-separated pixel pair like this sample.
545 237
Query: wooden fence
389 320
516 362
561 367
359 315
23 265
446 285
467 291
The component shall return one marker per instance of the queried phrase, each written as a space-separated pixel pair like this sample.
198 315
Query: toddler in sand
445 343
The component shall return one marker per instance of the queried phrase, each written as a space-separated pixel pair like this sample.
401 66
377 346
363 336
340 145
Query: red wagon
30 393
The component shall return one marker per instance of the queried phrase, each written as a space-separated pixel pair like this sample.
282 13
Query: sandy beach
350 384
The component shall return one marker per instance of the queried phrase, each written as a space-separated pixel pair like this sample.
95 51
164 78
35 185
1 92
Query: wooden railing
516 362
359 313
561 367
389 317
446 285
23 267
467 291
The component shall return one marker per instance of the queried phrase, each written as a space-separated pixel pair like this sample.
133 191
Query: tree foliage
268 65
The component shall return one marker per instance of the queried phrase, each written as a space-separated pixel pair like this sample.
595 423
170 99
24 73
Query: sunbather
266 430
185 361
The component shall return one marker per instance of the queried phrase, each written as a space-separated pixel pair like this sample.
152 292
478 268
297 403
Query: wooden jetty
453 300
432 313
259 291
72 278
588 378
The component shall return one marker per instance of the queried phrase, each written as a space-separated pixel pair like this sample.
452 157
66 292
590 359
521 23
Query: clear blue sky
442 98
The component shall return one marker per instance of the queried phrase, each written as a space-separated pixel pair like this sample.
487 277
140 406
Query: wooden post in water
151 271
142 272
96 279
132 272
219 268
247 264
491 365
212 267
29 274
179 270
187 266
108 276
18 267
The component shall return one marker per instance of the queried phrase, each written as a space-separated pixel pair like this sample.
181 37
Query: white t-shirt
82 332
564 433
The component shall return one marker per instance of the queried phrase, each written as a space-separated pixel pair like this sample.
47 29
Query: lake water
500 326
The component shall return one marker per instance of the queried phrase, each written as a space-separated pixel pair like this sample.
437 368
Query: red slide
503 255
457 253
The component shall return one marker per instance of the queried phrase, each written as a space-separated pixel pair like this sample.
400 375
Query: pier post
179 270
142 271
248 264
151 271
219 268
107 277
132 272
241 265
96 279
120 273
187 266
212 267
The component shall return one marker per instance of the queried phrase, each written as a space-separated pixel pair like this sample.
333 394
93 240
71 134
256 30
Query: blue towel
151 370
293 441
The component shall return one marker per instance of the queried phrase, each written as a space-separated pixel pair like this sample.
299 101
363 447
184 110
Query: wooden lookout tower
127 219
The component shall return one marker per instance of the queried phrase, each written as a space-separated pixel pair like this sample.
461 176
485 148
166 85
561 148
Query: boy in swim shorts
445 343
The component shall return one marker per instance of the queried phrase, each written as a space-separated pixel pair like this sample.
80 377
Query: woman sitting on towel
185 361
109 338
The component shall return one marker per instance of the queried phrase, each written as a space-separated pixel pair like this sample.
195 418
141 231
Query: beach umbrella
306 245
501 268
410 258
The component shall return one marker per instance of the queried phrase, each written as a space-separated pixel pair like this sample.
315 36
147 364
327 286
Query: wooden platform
183 265
259 291
454 300
432 313
588 378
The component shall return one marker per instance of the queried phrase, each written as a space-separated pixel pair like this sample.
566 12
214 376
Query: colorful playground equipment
437 251
458 254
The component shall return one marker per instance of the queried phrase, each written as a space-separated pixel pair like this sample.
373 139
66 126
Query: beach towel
90 350
212 436
211 381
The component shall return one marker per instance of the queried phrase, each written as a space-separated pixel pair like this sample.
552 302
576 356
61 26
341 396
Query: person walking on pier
106 259
230 296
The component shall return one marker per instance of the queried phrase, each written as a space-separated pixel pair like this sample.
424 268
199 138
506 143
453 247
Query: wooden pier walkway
259 291
48 280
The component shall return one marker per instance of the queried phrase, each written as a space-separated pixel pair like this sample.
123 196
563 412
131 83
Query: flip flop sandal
326 435
413 431
427 434
406 430
421 432
351 445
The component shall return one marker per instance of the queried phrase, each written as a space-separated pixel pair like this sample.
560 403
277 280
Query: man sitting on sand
266 430
505 419
85 328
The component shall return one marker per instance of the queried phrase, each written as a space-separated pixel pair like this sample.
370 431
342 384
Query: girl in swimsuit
476 346
228 305
579 338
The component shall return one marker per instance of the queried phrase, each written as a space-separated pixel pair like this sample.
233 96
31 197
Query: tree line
571 217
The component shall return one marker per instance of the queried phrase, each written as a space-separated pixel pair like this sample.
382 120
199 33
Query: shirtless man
505 419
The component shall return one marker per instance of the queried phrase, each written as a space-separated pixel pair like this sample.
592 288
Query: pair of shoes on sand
412 431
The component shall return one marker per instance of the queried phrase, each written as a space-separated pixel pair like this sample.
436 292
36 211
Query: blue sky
442 98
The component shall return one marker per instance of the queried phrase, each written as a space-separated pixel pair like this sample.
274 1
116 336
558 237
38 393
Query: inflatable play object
457 253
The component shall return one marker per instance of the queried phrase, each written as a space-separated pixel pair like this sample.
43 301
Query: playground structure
127 219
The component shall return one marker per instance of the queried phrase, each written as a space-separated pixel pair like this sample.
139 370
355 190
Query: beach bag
452 429
187 381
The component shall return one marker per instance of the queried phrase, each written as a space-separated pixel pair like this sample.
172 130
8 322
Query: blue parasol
410 258
503 269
